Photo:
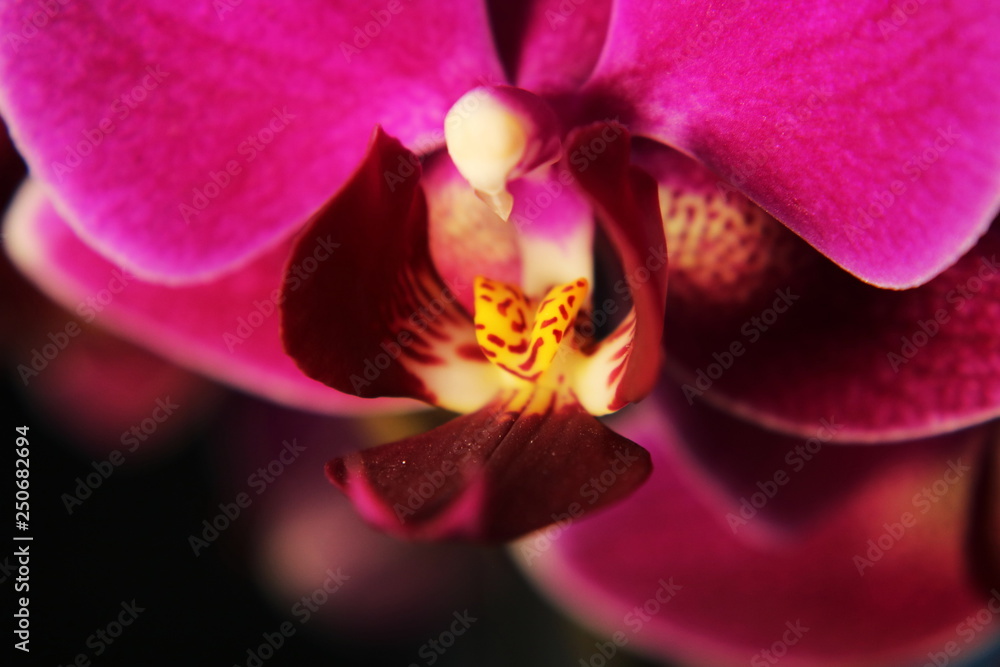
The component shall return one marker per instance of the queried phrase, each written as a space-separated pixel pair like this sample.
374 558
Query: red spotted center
517 336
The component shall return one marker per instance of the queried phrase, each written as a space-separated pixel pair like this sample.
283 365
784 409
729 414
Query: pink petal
492 475
625 200
888 365
869 129
378 321
164 103
550 46
666 572
226 329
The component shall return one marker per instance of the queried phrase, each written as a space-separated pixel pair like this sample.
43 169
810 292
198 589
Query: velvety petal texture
379 321
226 329
883 580
493 475
819 343
184 138
869 128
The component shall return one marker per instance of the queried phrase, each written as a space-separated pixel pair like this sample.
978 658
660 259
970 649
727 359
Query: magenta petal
226 329
377 320
869 128
625 199
550 46
888 365
183 138
666 571
492 475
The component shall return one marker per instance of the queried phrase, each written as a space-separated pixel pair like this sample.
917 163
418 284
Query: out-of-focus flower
749 547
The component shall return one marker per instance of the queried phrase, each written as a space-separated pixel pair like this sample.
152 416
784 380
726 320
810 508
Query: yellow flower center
518 337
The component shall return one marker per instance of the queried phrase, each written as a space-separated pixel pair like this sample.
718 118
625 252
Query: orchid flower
384 178
500 342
